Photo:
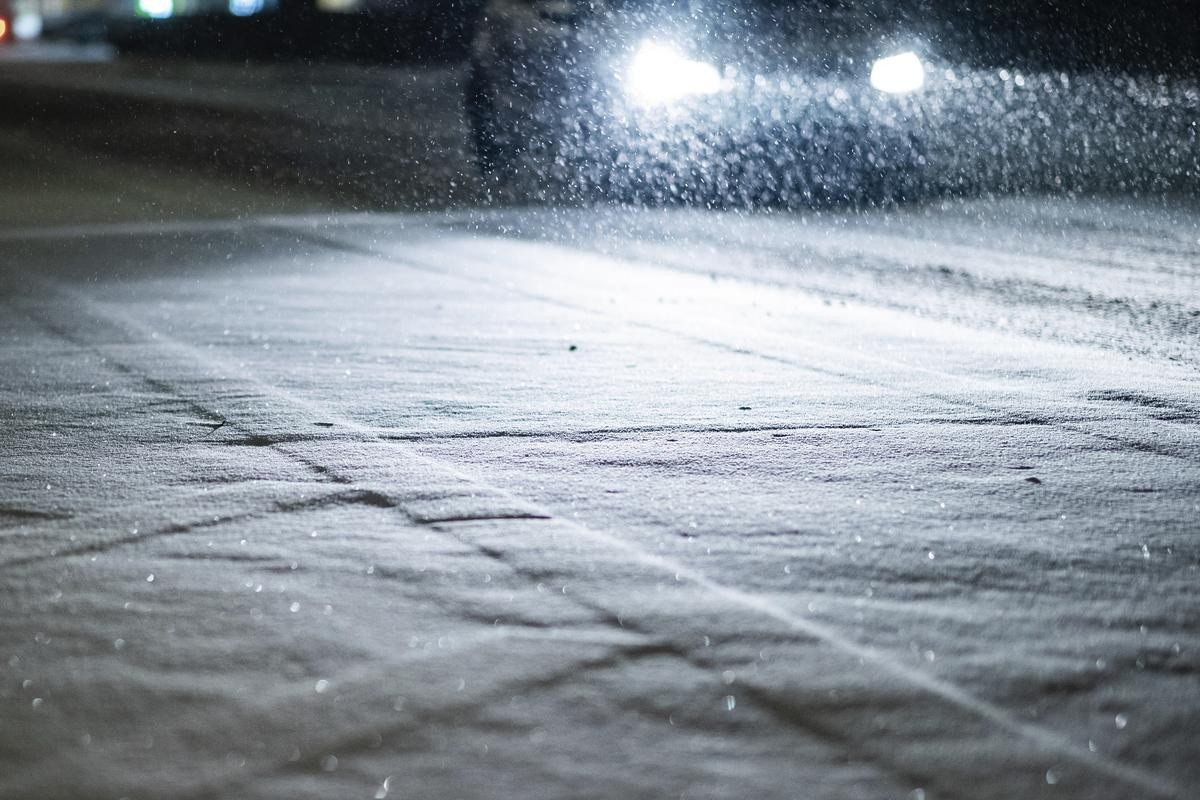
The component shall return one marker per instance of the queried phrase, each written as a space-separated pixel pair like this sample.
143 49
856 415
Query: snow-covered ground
635 504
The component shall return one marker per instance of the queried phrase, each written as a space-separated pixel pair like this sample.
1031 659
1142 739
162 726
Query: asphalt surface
297 501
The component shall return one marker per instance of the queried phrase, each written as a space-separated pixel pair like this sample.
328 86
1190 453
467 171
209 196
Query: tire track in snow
201 510
181 356
906 269
469 252
357 699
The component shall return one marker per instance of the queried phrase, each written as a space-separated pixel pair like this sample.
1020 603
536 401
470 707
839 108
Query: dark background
1157 35
1153 36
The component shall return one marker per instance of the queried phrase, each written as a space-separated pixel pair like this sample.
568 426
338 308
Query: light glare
26 26
899 74
659 75
157 9
245 8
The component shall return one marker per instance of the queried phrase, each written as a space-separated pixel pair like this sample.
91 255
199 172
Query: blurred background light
156 9
27 26
245 8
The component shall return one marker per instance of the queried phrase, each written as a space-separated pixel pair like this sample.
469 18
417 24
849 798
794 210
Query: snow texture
604 503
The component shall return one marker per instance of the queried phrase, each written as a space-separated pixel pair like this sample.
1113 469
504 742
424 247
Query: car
710 99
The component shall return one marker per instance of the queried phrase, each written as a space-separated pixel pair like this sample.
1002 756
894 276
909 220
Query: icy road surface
607 504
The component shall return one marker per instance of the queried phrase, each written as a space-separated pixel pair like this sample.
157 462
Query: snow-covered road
604 503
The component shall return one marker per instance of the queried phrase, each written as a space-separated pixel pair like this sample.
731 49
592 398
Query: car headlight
899 74
659 74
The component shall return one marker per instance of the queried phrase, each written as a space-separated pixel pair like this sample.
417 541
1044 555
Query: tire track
528 553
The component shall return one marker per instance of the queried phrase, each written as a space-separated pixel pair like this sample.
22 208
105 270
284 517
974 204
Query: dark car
752 99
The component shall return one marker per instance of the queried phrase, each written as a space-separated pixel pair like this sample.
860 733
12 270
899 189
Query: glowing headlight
899 74
659 75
